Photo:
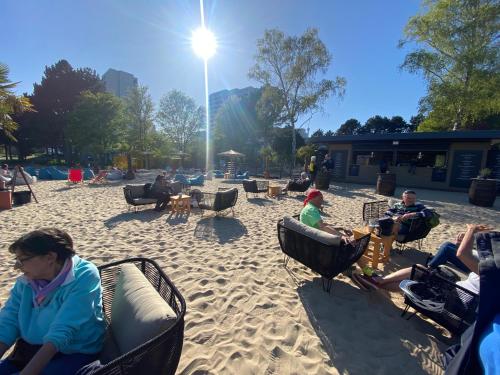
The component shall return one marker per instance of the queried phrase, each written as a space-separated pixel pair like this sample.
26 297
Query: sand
246 313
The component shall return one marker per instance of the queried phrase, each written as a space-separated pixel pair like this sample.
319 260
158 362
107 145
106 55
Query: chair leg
286 259
405 310
412 315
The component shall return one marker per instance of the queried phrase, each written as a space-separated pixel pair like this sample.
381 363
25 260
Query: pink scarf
42 288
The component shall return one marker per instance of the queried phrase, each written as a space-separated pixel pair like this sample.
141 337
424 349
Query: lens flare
204 43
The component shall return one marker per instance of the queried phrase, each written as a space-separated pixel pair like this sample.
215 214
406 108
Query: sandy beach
246 313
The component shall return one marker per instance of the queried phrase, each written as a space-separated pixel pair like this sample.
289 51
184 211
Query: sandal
355 278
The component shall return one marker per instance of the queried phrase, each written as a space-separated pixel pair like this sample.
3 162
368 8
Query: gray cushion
136 191
316 234
138 312
144 200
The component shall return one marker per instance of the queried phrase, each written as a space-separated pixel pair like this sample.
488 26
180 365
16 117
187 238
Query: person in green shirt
311 216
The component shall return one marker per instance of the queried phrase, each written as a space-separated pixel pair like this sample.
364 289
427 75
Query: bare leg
395 277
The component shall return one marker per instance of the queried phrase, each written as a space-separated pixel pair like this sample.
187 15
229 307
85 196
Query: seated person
5 175
54 312
162 191
447 252
301 183
464 254
311 216
404 212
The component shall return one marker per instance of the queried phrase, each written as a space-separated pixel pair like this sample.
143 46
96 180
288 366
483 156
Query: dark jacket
401 209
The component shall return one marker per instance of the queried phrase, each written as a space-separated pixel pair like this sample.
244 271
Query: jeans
448 253
60 364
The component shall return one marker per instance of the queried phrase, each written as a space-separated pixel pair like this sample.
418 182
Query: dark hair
5 166
409 192
44 240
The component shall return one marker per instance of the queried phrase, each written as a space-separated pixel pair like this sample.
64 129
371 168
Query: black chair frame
326 260
220 201
255 187
460 304
161 354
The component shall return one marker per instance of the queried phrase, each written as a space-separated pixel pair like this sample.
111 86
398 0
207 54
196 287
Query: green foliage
139 112
459 59
179 118
238 126
485 173
383 125
96 123
305 152
350 127
288 67
318 133
10 104
281 144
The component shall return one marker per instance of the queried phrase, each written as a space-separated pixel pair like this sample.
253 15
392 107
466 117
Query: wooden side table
181 204
5 200
378 250
273 191
227 176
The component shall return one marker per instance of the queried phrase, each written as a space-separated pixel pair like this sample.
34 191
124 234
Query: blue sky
150 39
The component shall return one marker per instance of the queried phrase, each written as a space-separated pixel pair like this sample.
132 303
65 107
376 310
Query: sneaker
369 281
356 279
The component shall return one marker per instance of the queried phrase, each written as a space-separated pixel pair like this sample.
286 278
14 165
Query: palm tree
10 103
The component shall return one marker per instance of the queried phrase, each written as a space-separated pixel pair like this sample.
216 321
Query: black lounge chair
160 354
299 187
219 201
255 187
418 227
135 195
460 306
326 260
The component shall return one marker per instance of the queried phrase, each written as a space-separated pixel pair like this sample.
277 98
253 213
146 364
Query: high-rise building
118 82
217 99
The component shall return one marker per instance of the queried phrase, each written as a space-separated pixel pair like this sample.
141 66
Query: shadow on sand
219 229
143 215
361 330
261 201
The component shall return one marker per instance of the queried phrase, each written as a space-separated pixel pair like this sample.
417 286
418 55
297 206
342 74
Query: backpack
433 220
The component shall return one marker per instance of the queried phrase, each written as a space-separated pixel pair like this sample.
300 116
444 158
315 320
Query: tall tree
384 125
180 118
318 133
288 67
139 112
350 127
56 96
96 123
459 58
281 143
10 104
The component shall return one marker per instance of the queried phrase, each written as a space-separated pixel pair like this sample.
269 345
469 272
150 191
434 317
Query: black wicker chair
326 260
255 187
299 187
161 354
460 304
418 227
219 201
135 195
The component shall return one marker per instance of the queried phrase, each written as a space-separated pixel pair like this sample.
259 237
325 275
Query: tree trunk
294 144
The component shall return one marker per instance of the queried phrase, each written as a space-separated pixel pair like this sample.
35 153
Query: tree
139 111
96 123
384 125
305 152
350 127
288 67
281 143
459 59
10 104
55 97
318 133
180 118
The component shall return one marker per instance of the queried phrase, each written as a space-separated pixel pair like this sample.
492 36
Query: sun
203 43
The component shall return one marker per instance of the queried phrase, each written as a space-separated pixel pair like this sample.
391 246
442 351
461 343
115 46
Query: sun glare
204 43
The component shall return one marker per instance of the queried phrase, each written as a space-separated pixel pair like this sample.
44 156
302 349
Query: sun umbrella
231 154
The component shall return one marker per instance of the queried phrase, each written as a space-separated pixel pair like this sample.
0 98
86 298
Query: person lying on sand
464 254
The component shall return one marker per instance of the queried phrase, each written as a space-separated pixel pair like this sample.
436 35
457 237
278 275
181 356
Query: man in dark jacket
405 212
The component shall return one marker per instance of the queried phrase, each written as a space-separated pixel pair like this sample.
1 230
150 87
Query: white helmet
422 296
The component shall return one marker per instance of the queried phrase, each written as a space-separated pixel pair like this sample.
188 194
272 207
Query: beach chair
144 314
243 176
299 187
220 201
255 187
196 181
75 176
460 304
322 252
100 178
135 195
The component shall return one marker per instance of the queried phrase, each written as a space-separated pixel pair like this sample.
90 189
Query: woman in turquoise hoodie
54 311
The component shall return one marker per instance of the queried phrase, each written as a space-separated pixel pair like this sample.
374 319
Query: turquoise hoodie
70 318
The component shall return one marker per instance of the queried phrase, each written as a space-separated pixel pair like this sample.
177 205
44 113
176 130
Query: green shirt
310 216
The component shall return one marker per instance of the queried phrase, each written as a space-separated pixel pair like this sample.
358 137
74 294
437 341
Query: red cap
313 193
